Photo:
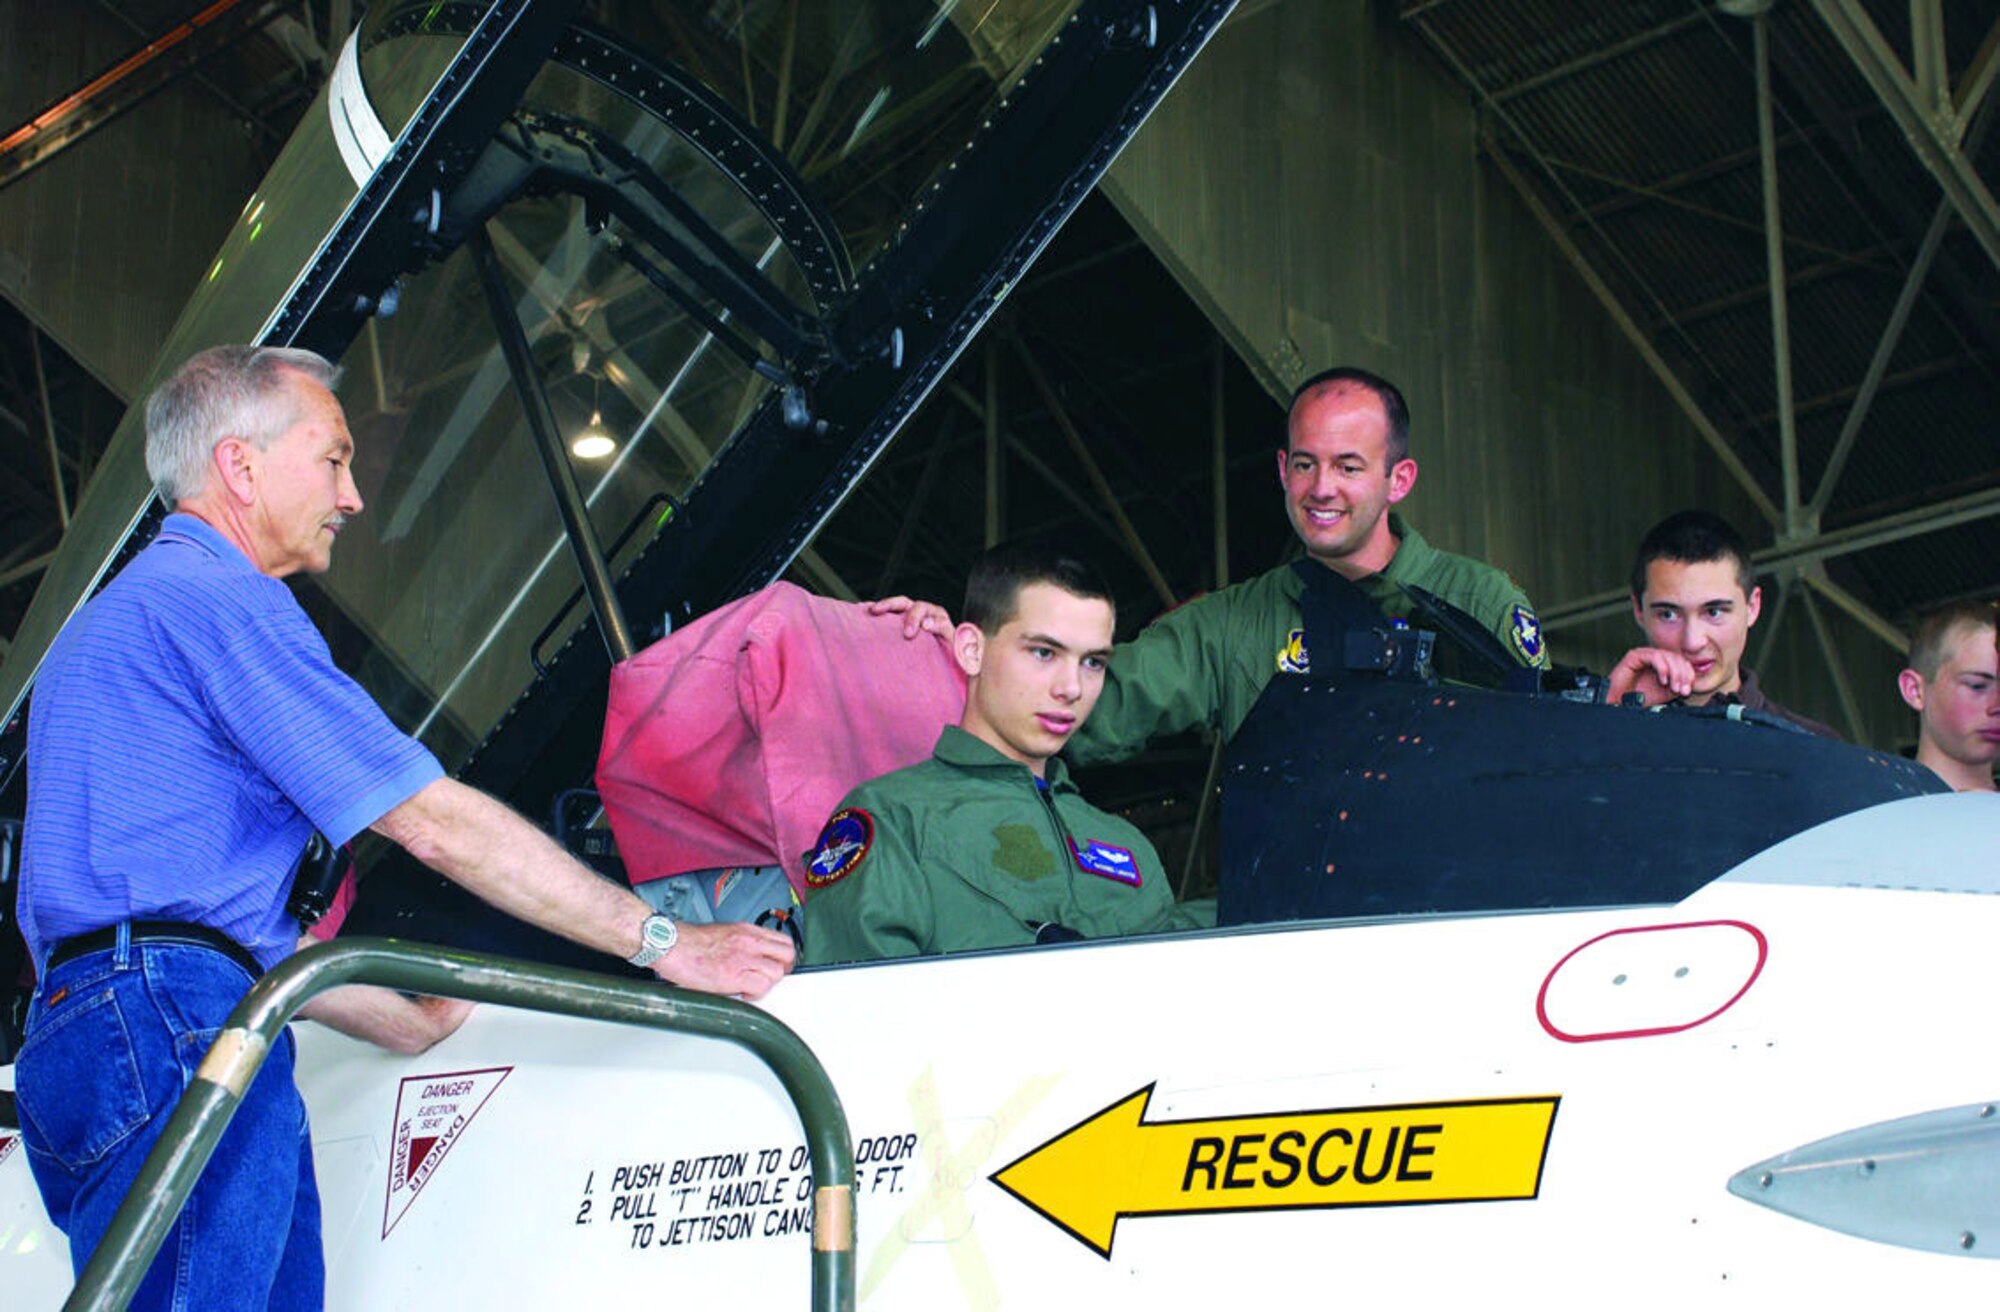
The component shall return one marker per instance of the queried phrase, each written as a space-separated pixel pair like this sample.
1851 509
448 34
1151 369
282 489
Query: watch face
658 932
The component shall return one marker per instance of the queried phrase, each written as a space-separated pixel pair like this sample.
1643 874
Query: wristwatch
657 936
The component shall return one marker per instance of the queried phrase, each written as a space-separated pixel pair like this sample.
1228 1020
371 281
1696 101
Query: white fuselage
1831 983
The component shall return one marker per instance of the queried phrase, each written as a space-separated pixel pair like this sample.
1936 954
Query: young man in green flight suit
988 844
1346 461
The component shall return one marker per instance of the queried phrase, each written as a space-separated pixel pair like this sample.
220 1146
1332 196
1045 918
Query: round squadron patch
1292 658
841 846
1526 631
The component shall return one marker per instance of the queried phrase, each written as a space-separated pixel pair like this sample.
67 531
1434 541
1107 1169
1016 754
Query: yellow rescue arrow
1116 1164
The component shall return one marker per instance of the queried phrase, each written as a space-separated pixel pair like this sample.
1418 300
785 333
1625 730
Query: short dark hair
1692 537
1935 630
1385 391
993 588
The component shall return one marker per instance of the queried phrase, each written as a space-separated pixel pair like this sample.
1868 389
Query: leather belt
155 931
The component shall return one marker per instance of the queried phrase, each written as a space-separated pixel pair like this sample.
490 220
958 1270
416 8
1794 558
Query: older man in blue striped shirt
189 730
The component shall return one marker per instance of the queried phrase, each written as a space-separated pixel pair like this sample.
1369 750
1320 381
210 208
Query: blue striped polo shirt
188 732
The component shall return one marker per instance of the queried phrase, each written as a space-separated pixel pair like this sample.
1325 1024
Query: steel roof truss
1933 132
1971 92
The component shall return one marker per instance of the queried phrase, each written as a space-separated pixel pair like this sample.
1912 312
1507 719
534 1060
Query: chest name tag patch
1292 658
1107 861
841 846
1526 631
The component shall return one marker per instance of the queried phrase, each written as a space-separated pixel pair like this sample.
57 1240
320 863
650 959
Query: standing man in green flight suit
1346 461
988 844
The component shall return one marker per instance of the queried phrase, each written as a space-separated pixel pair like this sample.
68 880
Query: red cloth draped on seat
730 741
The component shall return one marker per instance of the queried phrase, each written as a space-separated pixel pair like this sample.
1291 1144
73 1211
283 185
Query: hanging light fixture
594 442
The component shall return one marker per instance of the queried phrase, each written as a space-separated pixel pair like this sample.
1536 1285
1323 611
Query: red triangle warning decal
432 1113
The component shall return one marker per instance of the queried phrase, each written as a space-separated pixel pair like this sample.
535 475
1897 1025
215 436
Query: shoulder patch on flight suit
841 846
1106 860
1526 632
1019 851
1292 658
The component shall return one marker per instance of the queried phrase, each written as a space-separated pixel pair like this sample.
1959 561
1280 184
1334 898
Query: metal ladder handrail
156 1196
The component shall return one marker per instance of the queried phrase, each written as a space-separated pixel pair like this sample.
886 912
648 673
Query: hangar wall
1315 183
101 244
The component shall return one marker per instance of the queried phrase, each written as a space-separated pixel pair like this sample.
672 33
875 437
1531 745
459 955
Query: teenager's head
1694 592
1953 684
1034 640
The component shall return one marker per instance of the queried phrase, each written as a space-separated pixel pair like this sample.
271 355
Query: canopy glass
458 577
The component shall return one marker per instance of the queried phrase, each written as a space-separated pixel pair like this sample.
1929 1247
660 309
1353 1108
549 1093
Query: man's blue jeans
113 1038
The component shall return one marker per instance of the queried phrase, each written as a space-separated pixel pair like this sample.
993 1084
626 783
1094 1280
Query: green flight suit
965 851
1206 663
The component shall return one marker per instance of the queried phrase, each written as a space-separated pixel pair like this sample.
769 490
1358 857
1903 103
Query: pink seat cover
731 741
